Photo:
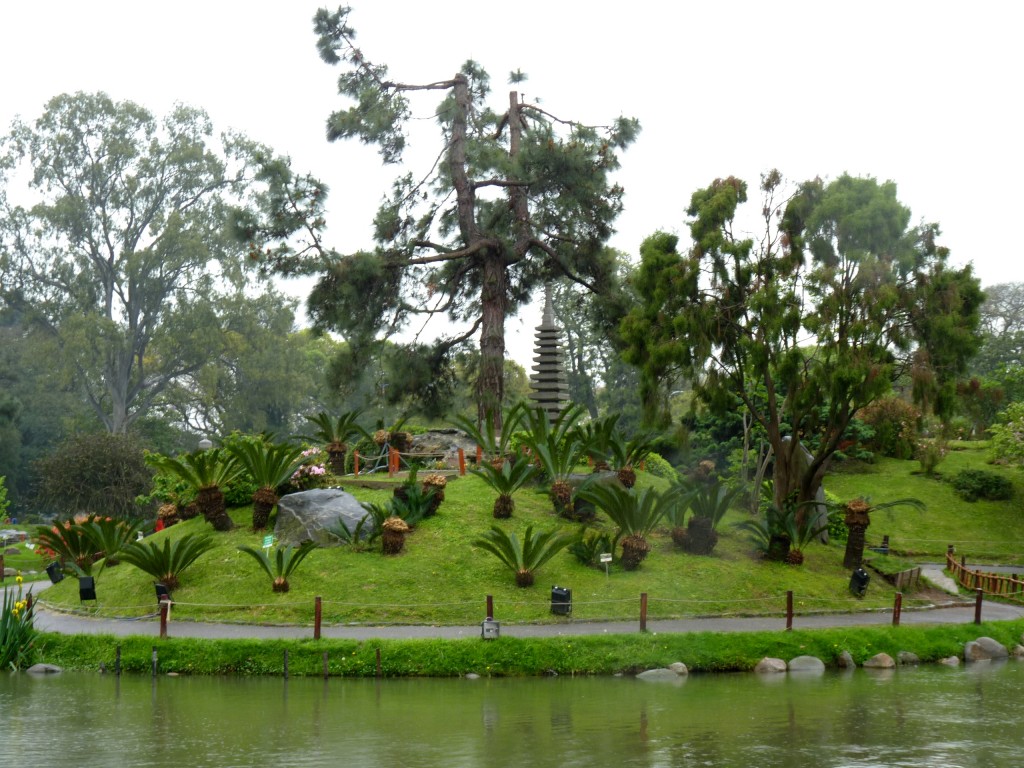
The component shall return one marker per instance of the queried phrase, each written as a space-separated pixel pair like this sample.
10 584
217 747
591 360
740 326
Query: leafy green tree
121 251
516 197
808 323
1002 328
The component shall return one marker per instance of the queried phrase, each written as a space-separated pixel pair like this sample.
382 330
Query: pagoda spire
549 383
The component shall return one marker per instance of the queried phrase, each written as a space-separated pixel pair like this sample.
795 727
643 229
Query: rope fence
562 604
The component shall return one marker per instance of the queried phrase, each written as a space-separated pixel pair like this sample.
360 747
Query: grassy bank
441 578
505 656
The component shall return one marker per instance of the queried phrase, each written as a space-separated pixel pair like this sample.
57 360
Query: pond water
915 716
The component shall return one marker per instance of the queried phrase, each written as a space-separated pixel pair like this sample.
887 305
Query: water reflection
916 716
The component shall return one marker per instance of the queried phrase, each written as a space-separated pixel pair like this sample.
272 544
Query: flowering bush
930 454
894 422
1008 435
313 472
17 632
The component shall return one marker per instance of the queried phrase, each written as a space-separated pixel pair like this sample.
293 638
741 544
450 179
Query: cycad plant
505 481
285 560
708 502
110 536
493 443
858 518
599 436
771 535
166 561
524 558
558 447
208 472
70 543
629 454
334 434
269 466
634 513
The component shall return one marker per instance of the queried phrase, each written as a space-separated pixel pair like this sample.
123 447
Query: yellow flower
19 578
14 612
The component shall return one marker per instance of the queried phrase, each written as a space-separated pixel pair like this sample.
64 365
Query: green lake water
913 716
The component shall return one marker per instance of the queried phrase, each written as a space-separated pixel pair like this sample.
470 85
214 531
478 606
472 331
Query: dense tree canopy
516 196
810 322
118 249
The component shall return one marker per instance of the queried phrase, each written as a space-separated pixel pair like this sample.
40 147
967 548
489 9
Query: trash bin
859 582
561 601
490 629
54 572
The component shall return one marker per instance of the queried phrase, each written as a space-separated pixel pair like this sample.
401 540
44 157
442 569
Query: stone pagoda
549 383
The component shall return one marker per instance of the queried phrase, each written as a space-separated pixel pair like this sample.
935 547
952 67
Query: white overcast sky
927 94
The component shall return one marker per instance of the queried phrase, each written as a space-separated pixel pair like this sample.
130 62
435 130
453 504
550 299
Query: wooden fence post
643 611
977 605
462 462
164 610
897 608
490 606
317 616
789 610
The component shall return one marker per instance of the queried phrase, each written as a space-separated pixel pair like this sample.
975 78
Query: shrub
930 454
894 422
974 484
657 466
1008 435
94 474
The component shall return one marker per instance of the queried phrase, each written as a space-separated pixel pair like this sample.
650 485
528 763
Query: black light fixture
561 601
86 588
162 592
54 572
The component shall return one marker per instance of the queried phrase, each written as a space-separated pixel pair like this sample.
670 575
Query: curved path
960 613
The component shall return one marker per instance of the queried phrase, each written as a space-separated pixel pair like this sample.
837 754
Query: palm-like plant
858 518
269 466
526 557
635 514
286 560
559 447
505 481
166 562
772 534
335 433
494 444
207 472
628 454
600 436
708 503
110 536
69 542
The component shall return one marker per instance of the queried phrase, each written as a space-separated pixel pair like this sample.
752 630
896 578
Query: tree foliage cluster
808 322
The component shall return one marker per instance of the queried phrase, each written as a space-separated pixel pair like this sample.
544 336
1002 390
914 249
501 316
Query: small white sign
606 557
268 541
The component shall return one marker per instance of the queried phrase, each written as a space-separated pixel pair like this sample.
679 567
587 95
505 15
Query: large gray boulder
807 665
443 445
309 515
984 649
770 666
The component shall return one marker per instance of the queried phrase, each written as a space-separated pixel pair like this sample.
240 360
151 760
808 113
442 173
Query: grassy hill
442 579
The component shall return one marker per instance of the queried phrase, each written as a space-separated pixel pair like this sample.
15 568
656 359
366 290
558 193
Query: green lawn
984 531
441 578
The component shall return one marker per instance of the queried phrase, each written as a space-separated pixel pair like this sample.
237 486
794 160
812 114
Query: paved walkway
52 621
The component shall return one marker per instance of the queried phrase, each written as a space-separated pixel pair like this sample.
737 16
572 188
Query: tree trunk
854 546
490 385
